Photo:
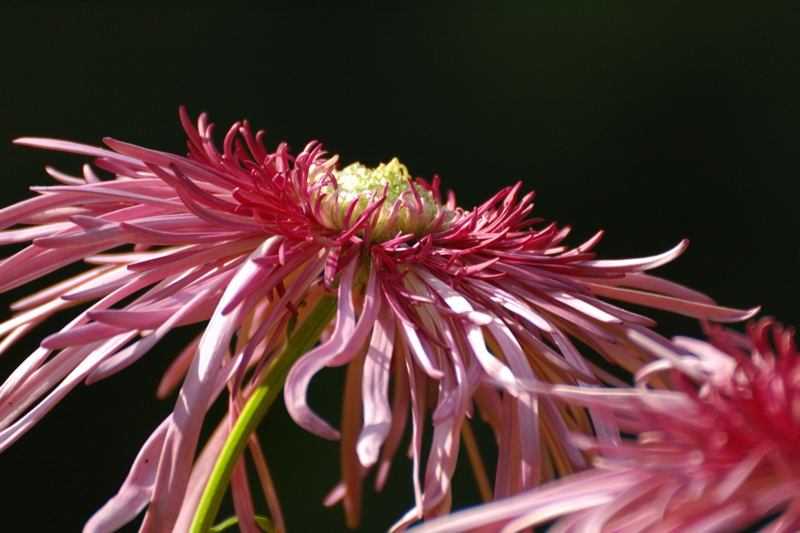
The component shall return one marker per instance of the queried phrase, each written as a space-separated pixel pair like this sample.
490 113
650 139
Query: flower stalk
256 408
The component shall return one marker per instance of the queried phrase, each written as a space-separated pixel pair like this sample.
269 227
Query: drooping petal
193 399
375 390
347 338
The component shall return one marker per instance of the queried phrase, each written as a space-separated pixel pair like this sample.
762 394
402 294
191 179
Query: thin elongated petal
644 263
375 390
559 498
12 432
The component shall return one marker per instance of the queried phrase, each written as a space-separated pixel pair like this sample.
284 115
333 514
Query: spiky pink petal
719 453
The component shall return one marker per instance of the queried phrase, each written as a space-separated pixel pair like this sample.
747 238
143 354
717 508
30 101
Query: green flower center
404 210
356 179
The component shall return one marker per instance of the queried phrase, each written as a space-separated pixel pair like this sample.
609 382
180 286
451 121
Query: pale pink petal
177 369
375 390
572 494
419 351
676 305
45 296
12 432
491 365
643 263
348 336
514 305
179 316
34 262
201 471
455 306
67 146
63 177
34 232
582 306
193 400
527 408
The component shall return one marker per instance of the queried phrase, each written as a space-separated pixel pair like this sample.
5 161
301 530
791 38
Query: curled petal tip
750 313
730 314
671 254
643 263
112 142
367 451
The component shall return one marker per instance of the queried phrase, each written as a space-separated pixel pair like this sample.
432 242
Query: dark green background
653 120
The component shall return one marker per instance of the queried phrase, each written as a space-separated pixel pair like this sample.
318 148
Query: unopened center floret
408 207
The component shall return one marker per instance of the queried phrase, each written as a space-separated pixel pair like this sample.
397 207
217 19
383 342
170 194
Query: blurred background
652 120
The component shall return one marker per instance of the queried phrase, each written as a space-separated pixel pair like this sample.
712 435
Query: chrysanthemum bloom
450 306
719 453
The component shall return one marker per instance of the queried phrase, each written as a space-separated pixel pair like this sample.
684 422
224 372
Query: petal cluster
719 452
443 313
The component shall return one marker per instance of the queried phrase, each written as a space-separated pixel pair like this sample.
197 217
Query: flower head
454 307
721 452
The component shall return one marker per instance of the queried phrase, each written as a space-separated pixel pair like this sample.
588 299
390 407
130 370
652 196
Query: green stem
257 405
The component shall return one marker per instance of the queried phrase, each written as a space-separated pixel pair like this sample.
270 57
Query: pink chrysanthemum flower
719 453
452 307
